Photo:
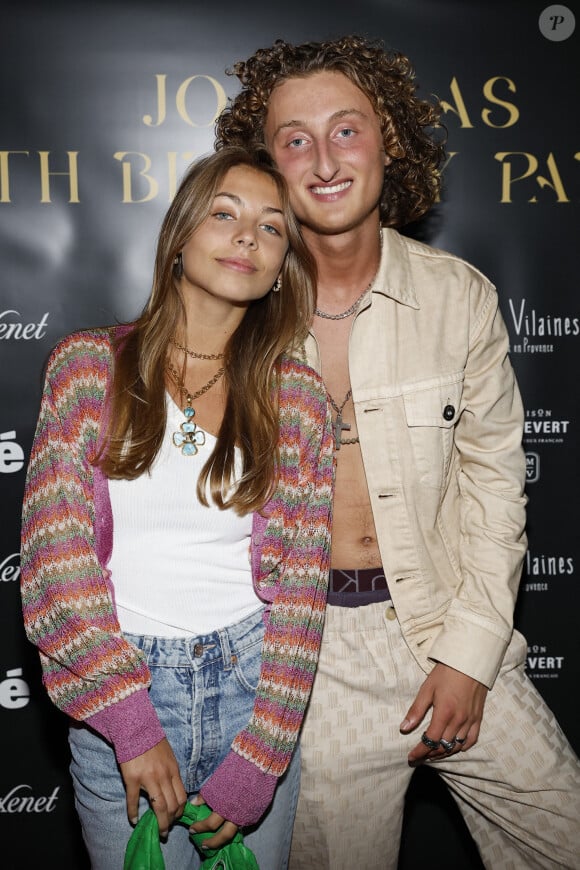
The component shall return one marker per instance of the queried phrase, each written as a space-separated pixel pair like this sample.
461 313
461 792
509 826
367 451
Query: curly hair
412 135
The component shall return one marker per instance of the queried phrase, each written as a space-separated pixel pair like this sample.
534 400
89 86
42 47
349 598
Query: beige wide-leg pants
518 788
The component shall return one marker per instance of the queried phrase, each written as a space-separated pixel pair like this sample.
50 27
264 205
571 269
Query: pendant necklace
190 437
338 426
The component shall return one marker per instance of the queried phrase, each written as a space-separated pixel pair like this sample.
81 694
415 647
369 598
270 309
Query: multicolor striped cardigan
89 670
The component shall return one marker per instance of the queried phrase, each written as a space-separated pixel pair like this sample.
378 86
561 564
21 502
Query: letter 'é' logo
532 467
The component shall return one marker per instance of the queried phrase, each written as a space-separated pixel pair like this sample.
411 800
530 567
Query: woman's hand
226 831
155 772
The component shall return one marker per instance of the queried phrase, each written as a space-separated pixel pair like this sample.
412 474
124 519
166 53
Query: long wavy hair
252 355
412 134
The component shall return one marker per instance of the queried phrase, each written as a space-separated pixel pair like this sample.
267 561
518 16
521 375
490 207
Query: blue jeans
203 689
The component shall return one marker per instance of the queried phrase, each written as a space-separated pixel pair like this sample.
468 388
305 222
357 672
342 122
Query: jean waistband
199 650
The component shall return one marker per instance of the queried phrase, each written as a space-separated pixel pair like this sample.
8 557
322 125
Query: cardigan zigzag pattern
89 670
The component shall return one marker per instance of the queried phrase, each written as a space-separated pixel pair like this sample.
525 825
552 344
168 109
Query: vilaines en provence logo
538 332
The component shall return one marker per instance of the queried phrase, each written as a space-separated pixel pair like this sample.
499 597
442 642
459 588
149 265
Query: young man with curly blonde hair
429 513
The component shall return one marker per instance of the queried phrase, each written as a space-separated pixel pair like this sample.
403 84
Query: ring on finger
448 745
428 742
460 740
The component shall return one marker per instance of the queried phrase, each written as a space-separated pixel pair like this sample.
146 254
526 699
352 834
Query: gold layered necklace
190 437
195 353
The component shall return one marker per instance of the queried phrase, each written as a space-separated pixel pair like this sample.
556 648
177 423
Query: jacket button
448 412
198 650
390 613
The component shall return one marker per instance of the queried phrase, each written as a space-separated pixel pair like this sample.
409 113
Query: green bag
144 851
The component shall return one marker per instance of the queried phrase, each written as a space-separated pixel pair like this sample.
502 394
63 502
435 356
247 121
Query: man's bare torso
354 539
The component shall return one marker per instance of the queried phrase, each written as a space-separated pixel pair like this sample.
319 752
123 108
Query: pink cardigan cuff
131 725
239 791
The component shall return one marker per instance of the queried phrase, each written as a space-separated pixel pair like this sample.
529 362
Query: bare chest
354 540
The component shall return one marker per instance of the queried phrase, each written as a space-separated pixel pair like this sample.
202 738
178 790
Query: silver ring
448 745
460 740
430 744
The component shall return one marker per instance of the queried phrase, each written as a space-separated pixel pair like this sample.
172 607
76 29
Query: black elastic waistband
357 587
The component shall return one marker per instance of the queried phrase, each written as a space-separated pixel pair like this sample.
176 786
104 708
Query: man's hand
155 772
457 702
226 831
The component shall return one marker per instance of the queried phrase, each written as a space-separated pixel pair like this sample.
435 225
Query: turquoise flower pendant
189 438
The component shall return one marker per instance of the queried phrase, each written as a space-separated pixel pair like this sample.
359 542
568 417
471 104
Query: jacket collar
394 276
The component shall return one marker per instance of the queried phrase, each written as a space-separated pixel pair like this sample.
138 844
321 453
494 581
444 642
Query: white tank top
178 568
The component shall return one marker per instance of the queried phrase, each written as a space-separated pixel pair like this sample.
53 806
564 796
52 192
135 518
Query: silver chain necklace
343 314
355 304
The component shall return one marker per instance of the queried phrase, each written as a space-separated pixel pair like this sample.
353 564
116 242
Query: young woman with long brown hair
175 530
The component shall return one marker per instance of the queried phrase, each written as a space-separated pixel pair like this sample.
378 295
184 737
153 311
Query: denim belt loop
226 648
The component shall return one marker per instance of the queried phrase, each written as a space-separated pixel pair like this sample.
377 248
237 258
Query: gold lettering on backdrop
161 103
220 95
72 174
460 109
449 157
146 181
555 183
512 110
153 185
180 101
5 174
172 170
504 157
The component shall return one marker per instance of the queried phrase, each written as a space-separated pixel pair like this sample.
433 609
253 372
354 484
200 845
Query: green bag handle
144 850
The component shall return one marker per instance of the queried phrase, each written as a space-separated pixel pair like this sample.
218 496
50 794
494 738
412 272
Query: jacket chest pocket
432 409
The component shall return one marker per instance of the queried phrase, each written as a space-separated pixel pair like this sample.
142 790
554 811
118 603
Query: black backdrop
102 108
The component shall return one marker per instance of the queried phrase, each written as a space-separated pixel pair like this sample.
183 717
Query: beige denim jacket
440 421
